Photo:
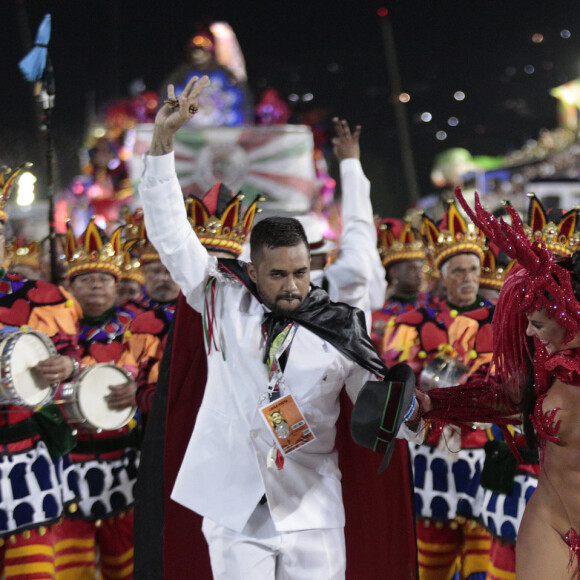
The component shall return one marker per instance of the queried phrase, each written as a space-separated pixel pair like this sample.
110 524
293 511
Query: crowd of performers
498 423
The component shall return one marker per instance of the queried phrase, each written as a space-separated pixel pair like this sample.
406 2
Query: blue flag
34 63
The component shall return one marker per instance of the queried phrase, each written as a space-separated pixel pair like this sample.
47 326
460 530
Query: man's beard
277 306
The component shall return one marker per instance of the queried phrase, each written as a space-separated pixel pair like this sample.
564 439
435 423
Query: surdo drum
83 401
20 384
443 372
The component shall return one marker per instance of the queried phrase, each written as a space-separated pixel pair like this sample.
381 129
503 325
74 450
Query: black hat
379 411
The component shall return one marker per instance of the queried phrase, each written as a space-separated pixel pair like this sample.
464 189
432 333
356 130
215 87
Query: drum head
93 389
28 350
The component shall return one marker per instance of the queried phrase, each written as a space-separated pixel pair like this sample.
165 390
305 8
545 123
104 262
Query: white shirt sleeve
357 267
169 230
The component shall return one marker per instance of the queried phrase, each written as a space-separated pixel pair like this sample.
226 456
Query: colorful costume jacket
394 306
105 463
32 494
145 341
142 303
446 484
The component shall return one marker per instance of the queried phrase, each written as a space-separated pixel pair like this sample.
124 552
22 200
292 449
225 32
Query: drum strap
101 446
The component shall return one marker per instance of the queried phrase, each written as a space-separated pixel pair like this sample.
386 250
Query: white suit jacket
224 473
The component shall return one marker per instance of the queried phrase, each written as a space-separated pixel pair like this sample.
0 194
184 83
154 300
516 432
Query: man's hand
55 369
122 396
175 113
345 144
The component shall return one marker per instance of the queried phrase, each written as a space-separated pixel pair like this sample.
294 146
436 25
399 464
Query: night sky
333 50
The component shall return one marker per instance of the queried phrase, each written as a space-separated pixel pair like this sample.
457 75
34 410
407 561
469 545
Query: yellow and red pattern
445 548
91 253
76 551
29 555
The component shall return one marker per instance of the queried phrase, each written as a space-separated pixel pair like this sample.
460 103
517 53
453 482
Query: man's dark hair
276 232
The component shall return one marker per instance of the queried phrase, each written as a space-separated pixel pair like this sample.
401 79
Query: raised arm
164 208
175 112
358 266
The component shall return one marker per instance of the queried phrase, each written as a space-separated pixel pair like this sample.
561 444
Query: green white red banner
275 161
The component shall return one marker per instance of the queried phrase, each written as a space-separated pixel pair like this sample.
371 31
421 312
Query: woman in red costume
537 360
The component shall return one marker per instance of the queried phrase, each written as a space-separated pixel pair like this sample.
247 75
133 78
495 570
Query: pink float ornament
272 109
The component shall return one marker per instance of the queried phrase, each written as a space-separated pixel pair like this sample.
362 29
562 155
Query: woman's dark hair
276 232
528 401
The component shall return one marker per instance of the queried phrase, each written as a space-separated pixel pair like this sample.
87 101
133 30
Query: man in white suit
273 343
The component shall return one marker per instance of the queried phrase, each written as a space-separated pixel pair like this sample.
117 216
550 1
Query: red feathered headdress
538 282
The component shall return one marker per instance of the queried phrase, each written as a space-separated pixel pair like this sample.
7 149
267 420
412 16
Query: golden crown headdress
219 229
453 236
562 239
131 266
92 253
7 179
19 252
399 241
135 230
492 274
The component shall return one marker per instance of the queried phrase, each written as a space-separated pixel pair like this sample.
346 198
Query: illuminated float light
404 97
565 33
453 121
459 95
529 69
441 135
426 117
25 195
293 97
382 12
537 38
307 97
99 132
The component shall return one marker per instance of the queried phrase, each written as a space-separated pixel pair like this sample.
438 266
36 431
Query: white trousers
259 552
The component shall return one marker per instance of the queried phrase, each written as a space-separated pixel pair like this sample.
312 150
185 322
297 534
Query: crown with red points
453 236
91 253
218 221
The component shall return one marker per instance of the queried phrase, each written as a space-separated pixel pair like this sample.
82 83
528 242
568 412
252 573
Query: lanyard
275 373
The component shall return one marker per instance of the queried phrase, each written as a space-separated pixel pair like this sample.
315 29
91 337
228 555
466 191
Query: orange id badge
288 425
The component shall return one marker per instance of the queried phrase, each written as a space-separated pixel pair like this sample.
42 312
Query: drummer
448 495
105 462
29 518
